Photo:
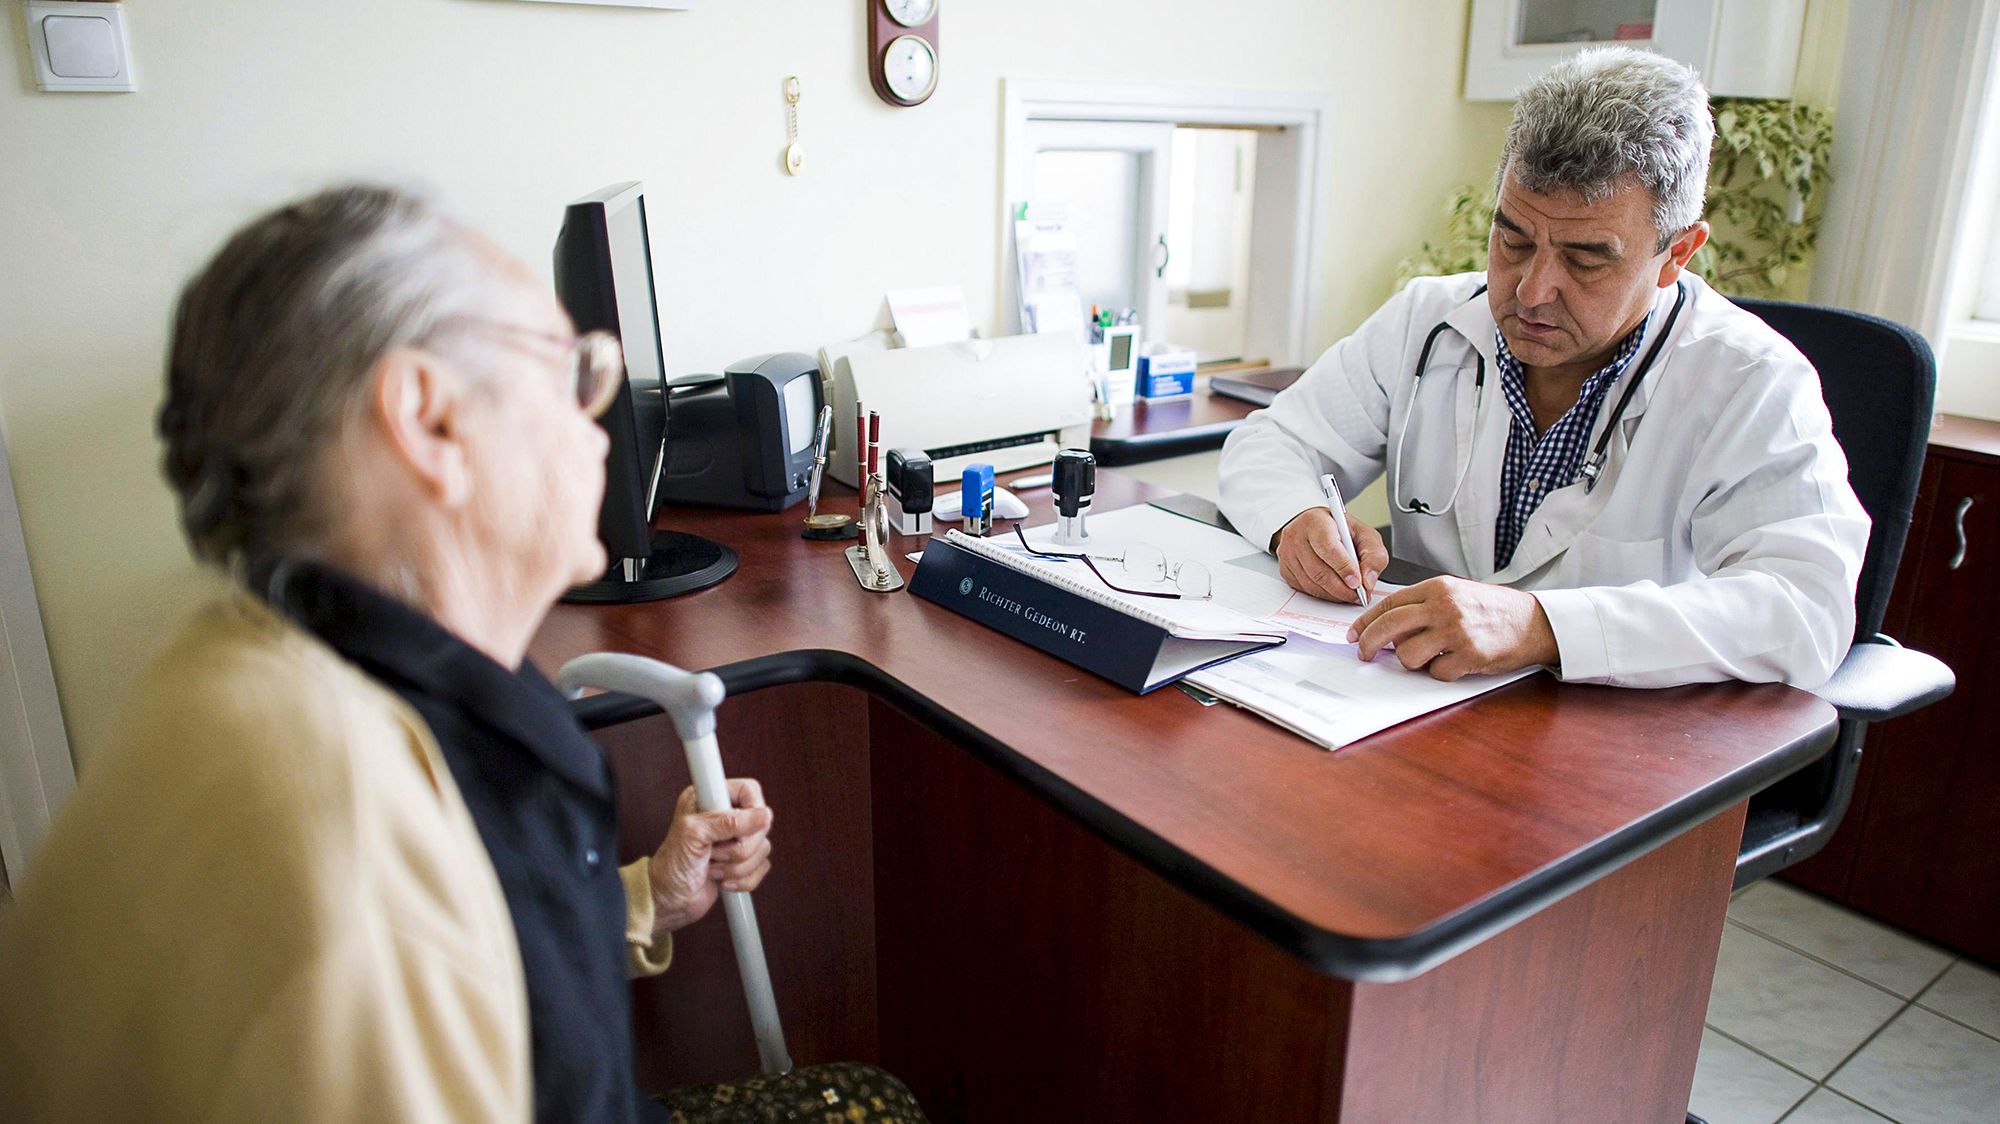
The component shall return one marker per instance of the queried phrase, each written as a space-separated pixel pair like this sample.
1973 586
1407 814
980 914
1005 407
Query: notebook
1062 608
1255 386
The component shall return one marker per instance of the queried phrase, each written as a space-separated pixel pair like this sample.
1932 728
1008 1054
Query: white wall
509 109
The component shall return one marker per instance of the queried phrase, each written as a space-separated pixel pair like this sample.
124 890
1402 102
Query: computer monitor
604 278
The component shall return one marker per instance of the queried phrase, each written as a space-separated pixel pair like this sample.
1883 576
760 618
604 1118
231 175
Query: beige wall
1821 42
510 109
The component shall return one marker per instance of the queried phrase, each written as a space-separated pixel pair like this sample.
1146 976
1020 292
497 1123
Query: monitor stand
680 563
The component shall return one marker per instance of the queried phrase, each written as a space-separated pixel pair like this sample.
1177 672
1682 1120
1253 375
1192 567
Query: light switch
79 46
82 47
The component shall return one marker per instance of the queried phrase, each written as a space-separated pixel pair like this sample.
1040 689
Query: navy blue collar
410 652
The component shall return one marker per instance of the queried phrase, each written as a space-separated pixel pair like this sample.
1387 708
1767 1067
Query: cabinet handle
1162 258
1958 556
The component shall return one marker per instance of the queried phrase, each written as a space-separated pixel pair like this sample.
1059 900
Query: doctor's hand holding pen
1312 558
1449 627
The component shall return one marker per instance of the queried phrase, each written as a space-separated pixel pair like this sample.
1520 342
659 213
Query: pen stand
870 559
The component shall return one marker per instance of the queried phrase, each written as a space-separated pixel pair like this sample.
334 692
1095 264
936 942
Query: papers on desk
1139 643
1315 684
1184 618
1325 694
1246 579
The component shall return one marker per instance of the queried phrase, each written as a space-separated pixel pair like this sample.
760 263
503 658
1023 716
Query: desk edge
1362 959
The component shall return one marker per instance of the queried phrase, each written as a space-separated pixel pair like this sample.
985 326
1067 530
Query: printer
1012 402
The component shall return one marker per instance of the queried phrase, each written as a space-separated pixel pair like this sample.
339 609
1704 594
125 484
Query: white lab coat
1722 541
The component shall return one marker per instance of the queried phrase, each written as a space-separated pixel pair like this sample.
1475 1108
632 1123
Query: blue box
1166 374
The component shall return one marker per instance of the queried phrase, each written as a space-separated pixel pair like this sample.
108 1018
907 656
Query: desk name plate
1135 654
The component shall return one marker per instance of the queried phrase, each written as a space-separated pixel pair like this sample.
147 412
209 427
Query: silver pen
819 459
1331 488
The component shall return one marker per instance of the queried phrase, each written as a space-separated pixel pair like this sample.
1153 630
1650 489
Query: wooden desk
1036 896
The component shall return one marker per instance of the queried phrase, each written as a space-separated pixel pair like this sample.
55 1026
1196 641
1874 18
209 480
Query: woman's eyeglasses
1142 561
595 365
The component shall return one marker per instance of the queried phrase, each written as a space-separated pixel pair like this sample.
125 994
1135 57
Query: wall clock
903 49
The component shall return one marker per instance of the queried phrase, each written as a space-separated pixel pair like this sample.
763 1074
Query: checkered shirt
1534 468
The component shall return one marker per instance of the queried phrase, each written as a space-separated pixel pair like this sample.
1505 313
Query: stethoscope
1593 466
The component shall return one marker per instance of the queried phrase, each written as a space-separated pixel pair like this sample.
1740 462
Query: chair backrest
1879 380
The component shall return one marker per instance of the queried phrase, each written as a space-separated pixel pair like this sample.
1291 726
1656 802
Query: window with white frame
1986 306
1976 283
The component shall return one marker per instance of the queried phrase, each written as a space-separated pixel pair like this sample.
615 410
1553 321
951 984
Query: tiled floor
1821 1016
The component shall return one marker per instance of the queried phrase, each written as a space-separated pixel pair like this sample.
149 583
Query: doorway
1110 182
1200 211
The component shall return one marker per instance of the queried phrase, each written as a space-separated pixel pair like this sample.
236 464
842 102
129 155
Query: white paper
930 316
1327 695
1245 577
1315 684
1186 617
1045 252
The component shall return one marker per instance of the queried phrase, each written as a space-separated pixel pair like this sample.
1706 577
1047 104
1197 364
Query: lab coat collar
1663 307
1472 422
1473 319
1565 512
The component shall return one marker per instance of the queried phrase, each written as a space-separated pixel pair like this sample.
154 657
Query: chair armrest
1881 679
610 708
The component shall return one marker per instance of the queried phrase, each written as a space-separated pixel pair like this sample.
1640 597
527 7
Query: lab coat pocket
1595 560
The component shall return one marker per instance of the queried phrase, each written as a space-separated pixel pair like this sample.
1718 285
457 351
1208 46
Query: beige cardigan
266 901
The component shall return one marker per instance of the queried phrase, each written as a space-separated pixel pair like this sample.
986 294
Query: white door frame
36 771
1294 178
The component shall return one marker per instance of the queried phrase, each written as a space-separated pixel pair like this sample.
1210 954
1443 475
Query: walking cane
690 699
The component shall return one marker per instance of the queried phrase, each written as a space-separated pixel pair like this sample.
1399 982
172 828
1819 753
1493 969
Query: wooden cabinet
1920 847
1743 48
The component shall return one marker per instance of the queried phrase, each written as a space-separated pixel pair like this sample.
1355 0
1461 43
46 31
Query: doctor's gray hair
1610 113
273 342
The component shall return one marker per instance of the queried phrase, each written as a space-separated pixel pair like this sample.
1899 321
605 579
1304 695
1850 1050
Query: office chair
1878 378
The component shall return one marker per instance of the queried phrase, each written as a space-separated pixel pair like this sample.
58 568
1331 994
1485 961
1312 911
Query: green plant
1468 216
1764 181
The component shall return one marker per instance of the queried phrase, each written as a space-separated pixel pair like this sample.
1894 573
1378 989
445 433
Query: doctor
1637 479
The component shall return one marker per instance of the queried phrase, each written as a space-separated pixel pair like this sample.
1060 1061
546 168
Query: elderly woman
350 856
